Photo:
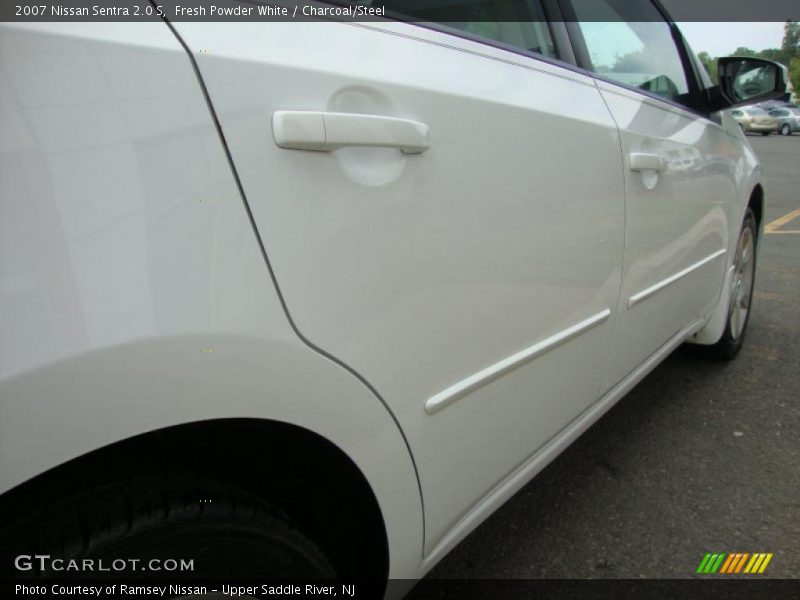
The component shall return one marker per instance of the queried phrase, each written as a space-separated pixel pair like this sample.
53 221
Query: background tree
639 61
791 50
794 74
744 51
773 54
710 65
791 40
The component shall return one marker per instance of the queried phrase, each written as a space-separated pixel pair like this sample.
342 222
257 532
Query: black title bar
339 10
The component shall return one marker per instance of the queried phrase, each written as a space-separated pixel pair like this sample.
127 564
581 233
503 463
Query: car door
474 283
679 176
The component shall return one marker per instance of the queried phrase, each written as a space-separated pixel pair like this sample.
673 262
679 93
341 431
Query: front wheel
786 130
741 293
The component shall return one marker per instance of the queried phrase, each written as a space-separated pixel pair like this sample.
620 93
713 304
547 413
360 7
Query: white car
299 299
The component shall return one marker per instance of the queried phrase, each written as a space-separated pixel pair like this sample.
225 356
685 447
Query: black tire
227 532
785 129
729 344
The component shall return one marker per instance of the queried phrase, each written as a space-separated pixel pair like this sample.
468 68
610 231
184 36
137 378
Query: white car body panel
134 295
747 176
486 255
678 224
496 293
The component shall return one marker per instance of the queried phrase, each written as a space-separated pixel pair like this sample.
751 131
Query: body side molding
653 289
492 372
524 472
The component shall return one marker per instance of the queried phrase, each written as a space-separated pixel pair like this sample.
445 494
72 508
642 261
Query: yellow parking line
779 222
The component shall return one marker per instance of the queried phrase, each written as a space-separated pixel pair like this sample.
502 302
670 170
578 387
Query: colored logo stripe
710 563
734 562
728 563
758 563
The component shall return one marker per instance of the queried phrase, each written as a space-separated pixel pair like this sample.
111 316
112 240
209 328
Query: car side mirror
744 80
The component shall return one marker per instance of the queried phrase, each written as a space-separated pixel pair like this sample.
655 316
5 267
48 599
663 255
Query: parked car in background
315 304
755 120
788 119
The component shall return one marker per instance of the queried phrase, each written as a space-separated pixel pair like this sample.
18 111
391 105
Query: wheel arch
199 395
756 203
305 475
715 326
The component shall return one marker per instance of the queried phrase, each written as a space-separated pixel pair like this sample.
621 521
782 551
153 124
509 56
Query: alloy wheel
741 292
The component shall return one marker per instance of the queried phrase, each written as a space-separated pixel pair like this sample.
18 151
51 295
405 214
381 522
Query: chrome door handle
643 161
327 131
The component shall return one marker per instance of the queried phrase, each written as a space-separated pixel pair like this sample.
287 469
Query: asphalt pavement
700 457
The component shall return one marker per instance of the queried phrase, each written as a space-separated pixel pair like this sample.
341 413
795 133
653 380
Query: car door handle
327 131
643 161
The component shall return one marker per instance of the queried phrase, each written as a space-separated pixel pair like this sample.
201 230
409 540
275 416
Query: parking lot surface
700 457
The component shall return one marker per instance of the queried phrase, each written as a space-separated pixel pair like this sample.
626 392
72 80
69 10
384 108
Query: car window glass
517 23
639 53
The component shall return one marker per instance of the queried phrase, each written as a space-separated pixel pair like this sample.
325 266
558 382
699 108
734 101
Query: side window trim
564 55
559 31
696 94
579 48
465 35
584 63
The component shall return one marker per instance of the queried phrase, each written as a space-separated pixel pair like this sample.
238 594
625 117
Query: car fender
88 401
134 293
748 174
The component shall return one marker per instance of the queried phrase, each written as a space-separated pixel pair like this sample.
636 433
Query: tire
786 130
741 297
225 531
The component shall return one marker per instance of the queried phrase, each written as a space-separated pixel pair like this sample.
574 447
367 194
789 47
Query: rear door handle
327 131
643 161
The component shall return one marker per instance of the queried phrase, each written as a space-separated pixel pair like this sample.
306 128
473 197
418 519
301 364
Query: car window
779 113
737 113
629 42
517 23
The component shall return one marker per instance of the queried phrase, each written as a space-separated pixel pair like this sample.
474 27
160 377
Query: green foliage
743 51
773 54
794 73
791 39
710 65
